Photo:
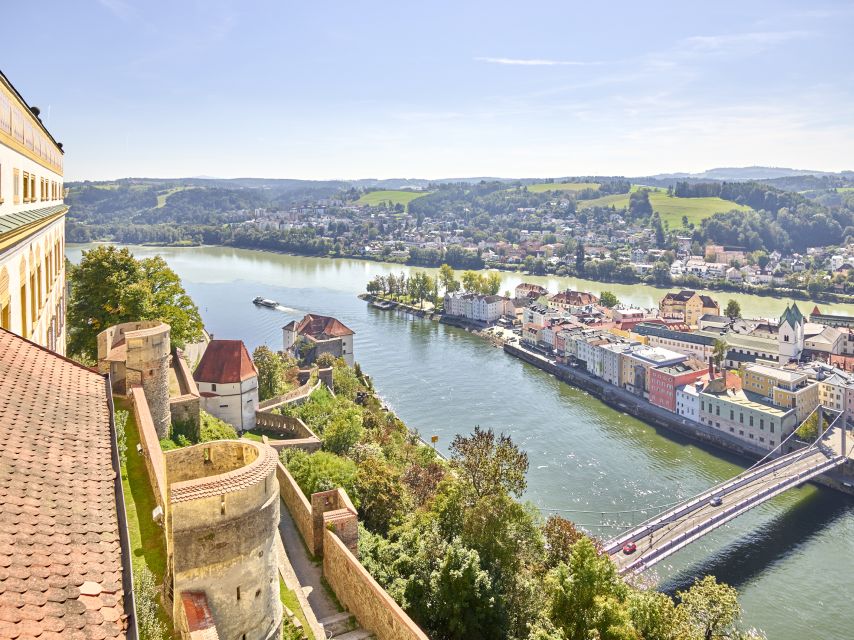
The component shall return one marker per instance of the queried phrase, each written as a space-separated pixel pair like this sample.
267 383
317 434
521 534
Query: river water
792 559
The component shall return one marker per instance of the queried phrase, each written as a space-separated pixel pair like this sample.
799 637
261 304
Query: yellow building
785 388
32 224
687 306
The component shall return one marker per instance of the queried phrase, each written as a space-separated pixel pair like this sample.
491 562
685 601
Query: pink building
662 382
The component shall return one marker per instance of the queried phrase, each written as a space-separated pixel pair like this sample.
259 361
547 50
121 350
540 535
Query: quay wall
623 400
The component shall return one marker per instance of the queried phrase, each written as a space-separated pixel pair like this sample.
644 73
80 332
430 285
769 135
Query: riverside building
32 224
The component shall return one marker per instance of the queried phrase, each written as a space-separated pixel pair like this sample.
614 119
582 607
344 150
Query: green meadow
670 208
373 198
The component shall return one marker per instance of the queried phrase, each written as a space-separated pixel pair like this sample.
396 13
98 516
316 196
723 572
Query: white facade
234 403
32 263
479 308
688 402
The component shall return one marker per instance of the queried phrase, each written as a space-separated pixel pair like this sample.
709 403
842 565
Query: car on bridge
630 548
716 501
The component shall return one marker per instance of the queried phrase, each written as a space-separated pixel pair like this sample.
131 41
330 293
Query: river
792 558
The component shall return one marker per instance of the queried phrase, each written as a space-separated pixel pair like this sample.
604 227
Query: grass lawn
542 187
162 197
374 198
290 600
670 208
147 544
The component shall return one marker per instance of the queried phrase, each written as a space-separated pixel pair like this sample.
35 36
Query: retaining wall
362 596
298 506
154 462
295 396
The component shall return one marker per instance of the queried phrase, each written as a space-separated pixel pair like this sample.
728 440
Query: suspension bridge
666 533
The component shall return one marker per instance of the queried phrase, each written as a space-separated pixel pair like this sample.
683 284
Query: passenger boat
265 302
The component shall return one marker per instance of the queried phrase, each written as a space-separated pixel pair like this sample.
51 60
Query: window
26 187
213 387
33 306
762 424
741 432
16 186
32 187
751 421
1 184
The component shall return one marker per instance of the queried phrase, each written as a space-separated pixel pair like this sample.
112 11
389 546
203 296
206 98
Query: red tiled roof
574 298
321 327
225 361
60 552
200 622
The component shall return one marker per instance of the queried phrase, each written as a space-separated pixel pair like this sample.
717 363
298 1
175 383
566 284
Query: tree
380 494
493 284
447 280
579 259
709 610
110 286
471 281
321 471
560 535
271 372
580 594
490 465
719 350
343 430
733 310
608 299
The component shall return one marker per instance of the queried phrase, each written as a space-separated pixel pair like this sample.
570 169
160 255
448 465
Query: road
685 523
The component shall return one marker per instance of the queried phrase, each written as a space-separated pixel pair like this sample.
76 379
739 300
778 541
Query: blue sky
350 89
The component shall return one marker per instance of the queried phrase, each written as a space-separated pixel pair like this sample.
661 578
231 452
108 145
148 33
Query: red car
630 548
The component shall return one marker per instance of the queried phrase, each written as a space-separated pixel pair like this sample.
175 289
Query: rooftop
225 361
321 327
60 548
783 375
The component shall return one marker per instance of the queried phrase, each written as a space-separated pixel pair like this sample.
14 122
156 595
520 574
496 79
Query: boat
382 304
265 302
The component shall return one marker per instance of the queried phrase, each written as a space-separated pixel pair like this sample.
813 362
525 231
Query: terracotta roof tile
58 521
320 327
225 361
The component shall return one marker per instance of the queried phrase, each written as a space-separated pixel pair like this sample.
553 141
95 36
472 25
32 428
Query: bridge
670 531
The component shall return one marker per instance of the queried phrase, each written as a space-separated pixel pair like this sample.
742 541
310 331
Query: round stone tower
137 353
221 524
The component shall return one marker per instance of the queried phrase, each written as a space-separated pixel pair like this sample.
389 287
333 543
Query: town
776 371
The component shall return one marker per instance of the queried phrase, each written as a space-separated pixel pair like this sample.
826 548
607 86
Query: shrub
120 420
150 625
321 471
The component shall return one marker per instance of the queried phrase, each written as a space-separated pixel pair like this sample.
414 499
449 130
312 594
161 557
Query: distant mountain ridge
751 173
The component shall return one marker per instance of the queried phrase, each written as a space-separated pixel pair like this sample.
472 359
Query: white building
228 383
688 401
791 333
477 307
32 224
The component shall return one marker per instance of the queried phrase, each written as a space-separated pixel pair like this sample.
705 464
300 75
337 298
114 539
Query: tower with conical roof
790 333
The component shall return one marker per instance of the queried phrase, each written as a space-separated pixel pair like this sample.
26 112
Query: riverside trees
455 547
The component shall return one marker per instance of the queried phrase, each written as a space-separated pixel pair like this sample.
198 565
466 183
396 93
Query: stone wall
193 463
285 426
360 594
325 376
334 507
185 406
295 396
154 462
298 506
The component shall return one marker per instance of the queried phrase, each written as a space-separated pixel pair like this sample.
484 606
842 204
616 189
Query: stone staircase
343 626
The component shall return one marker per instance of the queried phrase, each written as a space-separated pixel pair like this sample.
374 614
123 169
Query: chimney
711 368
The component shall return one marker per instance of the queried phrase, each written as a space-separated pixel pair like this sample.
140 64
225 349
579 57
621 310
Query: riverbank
824 297
841 480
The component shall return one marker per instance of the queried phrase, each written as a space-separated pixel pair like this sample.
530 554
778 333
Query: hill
670 208
374 198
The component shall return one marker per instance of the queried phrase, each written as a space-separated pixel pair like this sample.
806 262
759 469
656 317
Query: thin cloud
536 62
759 39
118 8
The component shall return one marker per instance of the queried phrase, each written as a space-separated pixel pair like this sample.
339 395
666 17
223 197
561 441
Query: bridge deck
667 533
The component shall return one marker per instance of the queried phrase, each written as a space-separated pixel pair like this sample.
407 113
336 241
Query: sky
351 89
